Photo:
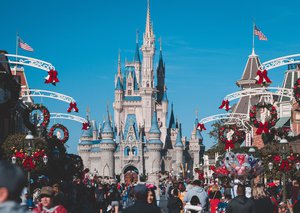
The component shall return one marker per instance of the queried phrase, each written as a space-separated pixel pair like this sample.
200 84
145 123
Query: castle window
129 84
134 151
129 92
126 151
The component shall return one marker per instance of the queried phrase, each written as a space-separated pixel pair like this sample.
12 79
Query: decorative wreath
40 107
61 127
10 89
297 90
263 127
235 137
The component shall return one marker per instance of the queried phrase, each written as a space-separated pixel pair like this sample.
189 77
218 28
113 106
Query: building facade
144 138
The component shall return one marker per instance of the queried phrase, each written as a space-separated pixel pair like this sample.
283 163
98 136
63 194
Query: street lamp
270 166
284 150
297 166
251 151
29 142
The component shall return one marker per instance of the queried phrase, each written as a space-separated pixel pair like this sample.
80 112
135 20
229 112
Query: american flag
259 33
24 45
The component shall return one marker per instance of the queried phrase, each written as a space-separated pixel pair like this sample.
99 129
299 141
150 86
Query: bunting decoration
72 106
263 125
225 105
262 77
201 127
51 77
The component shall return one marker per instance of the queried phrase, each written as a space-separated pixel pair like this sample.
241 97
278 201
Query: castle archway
131 174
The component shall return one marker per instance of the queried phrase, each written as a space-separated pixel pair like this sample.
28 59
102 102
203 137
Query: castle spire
119 64
137 51
149 31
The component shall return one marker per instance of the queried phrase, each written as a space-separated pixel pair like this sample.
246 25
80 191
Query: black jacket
142 206
240 204
174 205
263 205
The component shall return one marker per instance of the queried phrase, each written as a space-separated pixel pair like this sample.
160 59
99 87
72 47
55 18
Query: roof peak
148 31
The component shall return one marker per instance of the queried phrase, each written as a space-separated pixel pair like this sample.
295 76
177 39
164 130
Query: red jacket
55 209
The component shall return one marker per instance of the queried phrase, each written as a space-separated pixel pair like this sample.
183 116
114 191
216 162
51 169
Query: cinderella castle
144 138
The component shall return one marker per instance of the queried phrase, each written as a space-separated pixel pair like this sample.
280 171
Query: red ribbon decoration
73 106
262 128
28 163
284 166
229 144
85 126
201 127
225 103
263 77
52 77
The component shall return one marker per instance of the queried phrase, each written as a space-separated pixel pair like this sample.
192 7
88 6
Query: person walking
174 205
140 194
46 204
198 191
240 203
262 202
12 182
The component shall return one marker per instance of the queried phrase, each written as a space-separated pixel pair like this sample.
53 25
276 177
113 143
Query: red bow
73 106
38 154
262 128
229 144
20 155
28 163
225 103
284 166
262 77
277 158
85 126
52 77
201 127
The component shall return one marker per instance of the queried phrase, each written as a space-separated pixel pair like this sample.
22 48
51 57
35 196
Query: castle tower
160 76
147 87
118 104
194 145
178 152
107 147
154 145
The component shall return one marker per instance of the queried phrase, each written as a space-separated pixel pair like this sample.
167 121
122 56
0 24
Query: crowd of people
99 196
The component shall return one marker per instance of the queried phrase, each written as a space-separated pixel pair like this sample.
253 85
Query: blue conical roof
154 125
119 84
172 119
165 98
137 54
107 128
178 142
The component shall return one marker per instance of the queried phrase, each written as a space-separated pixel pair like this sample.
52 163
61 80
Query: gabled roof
290 77
130 71
131 121
249 74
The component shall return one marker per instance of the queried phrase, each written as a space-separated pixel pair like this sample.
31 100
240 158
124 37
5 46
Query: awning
283 121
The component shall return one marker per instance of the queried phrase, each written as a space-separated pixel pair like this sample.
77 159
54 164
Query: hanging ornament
72 106
262 77
225 105
51 78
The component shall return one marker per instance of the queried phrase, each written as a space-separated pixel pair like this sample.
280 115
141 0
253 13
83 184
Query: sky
205 48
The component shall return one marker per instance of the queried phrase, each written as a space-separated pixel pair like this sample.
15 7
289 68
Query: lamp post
29 142
284 150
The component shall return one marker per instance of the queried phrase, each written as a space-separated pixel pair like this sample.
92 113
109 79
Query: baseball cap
47 190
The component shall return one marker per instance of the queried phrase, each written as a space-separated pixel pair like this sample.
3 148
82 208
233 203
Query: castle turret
178 152
107 147
160 77
194 145
118 104
154 146
147 87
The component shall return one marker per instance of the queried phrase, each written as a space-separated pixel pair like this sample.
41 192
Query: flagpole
17 48
253 37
